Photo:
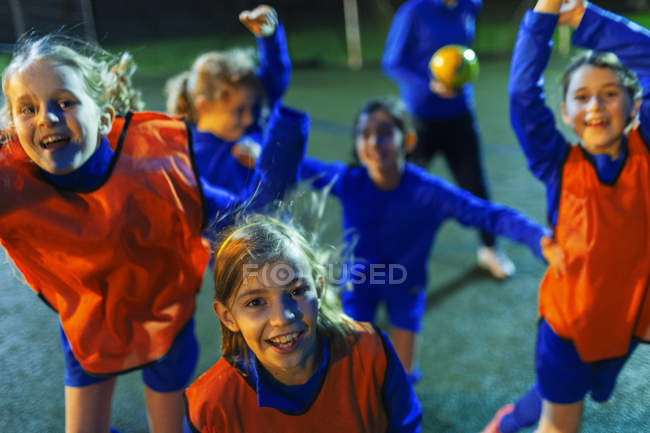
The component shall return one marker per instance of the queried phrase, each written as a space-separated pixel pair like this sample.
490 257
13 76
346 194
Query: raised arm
601 30
273 55
533 122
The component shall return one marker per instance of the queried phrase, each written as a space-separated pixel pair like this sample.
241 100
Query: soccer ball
454 65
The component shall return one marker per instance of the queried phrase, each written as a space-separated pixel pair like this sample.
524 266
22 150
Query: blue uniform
394 231
446 125
557 361
286 136
419 29
215 157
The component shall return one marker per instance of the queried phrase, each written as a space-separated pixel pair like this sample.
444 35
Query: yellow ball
454 65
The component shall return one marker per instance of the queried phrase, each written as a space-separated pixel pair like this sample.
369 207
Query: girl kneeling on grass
291 360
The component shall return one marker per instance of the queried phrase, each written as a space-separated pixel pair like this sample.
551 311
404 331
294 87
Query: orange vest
350 399
120 264
602 301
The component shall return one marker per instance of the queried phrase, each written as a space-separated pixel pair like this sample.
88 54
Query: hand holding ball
454 65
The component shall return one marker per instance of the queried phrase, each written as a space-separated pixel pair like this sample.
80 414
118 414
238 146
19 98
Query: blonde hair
213 75
261 239
107 77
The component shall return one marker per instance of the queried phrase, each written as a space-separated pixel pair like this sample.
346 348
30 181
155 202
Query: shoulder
366 343
218 382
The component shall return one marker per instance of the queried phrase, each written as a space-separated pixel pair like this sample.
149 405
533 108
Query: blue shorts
170 373
405 307
562 377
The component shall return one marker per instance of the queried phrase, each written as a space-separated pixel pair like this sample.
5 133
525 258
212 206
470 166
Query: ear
410 141
106 118
225 316
565 115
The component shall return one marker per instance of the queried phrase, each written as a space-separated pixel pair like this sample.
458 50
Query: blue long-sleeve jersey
419 29
534 123
398 227
285 143
214 157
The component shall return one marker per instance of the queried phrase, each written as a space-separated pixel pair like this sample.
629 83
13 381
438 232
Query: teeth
53 138
285 340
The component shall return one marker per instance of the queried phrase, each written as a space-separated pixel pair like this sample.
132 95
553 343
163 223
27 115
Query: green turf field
478 336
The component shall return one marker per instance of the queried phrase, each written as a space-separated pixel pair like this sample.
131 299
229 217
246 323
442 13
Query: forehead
374 118
42 78
589 76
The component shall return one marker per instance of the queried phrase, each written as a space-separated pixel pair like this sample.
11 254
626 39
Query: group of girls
81 184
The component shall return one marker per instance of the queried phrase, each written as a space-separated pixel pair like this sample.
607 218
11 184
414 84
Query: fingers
554 254
261 21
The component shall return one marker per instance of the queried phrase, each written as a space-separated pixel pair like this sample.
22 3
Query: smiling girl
104 217
593 315
222 96
291 361
392 211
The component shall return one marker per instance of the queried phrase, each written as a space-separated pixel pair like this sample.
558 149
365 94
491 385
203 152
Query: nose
50 115
283 312
246 118
594 103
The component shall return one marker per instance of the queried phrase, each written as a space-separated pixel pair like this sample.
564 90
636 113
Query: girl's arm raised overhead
272 51
533 122
601 30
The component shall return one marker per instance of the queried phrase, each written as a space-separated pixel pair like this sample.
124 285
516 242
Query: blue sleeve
284 146
404 411
494 218
275 64
532 121
322 174
601 30
396 62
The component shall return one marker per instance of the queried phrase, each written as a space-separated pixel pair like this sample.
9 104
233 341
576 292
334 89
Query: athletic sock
527 411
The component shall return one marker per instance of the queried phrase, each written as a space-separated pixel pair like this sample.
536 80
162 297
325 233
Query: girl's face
379 141
276 311
57 123
598 108
228 117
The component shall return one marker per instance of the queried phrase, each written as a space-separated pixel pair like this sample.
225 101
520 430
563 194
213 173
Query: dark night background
137 20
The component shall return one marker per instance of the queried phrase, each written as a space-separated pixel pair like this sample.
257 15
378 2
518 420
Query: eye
26 109
580 97
66 103
255 302
299 290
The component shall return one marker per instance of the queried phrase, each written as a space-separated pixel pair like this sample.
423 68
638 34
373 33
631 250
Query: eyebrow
262 291
614 84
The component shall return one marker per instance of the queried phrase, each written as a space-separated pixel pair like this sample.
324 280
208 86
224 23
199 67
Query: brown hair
260 239
602 60
212 75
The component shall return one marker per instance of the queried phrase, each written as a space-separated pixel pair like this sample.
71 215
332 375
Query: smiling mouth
54 142
285 342
597 123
